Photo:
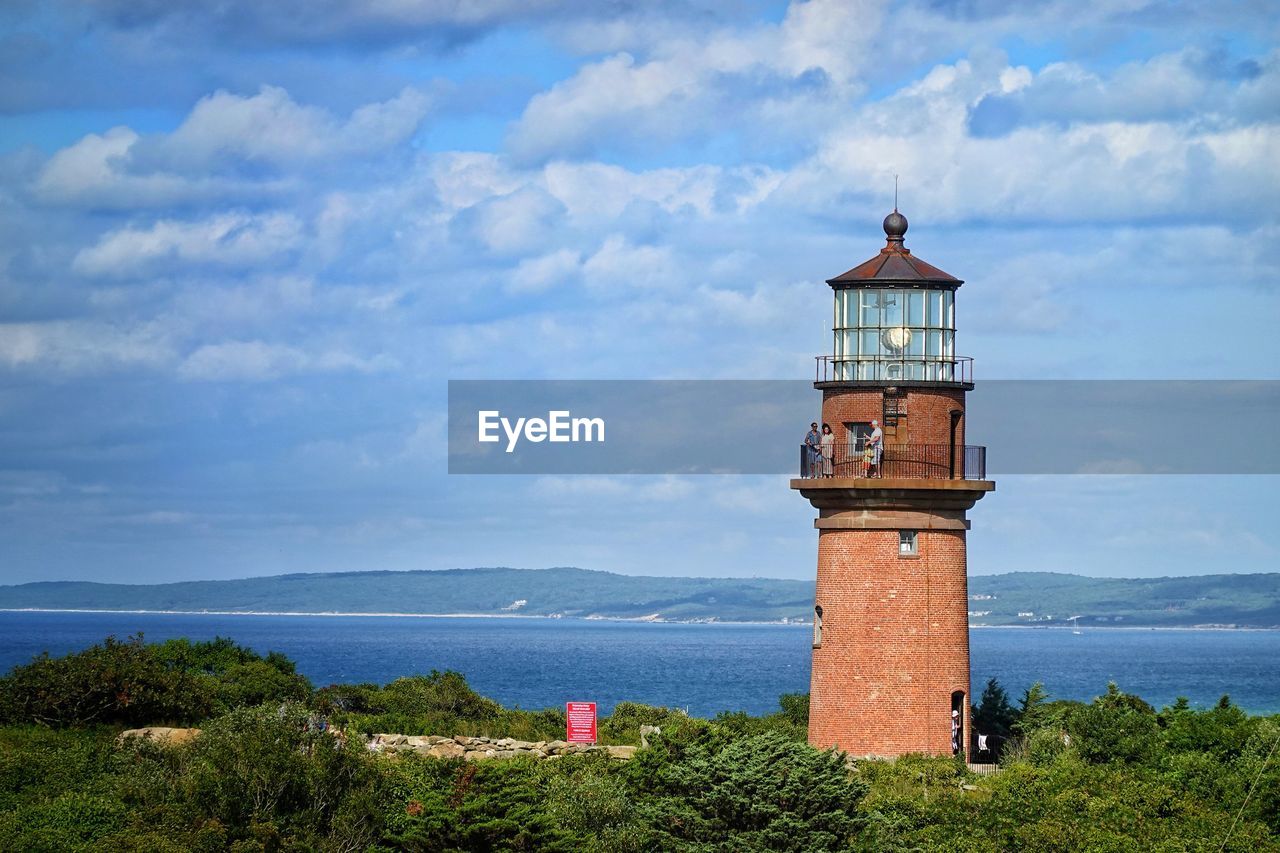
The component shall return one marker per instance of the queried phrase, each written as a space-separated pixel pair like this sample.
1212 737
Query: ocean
705 668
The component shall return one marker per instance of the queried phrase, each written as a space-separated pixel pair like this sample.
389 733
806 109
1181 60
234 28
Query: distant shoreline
633 619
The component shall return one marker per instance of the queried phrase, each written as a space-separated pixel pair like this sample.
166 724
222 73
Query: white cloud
620 265
533 275
83 346
228 239
520 221
95 168
257 360
763 80
271 128
228 147
1085 171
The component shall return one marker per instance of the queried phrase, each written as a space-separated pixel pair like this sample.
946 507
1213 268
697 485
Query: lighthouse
893 485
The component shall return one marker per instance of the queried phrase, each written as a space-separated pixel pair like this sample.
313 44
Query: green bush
115 682
256 682
453 805
1115 727
444 693
70 821
795 707
589 797
265 772
623 725
760 793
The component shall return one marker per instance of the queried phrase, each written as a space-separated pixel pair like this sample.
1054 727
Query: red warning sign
581 725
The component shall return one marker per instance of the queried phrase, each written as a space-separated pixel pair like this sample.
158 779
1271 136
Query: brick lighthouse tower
891 625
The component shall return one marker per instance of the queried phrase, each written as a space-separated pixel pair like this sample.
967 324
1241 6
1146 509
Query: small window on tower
817 626
908 546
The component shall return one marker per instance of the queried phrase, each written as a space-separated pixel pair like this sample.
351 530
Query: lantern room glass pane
915 308
870 342
948 310
934 319
870 315
933 345
892 302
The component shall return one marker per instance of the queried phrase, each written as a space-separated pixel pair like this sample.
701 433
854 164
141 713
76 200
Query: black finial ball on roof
895 225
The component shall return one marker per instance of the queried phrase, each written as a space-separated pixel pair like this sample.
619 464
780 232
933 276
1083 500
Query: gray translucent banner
758 427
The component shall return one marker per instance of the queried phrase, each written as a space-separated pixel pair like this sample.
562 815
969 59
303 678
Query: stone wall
482 748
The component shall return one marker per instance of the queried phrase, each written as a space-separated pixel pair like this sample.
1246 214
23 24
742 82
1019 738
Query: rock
462 739
556 745
162 735
624 753
390 740
418 741
447 749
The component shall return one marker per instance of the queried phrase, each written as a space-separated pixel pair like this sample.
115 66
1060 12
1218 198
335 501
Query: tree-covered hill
1251 601
498 591
1019 598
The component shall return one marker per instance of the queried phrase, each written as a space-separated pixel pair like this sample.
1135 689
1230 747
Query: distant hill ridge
1018 598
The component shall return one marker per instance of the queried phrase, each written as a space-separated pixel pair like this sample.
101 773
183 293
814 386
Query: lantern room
894 319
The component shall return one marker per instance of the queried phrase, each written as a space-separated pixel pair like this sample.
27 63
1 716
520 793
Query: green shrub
266 770
256 682
761 793
70 821
795 707
623 725
115 682
1115 727
454 805
445 693
588 796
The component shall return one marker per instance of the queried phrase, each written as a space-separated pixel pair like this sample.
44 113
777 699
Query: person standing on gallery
876 442
812 442
828 449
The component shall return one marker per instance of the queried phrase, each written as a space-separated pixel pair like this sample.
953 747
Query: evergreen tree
1030 709
994 715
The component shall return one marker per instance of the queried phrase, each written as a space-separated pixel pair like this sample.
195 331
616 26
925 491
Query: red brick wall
928 419
895 643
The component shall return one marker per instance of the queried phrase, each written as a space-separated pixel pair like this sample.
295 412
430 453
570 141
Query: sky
244 245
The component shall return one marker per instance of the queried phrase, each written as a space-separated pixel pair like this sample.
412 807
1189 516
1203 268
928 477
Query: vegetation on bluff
1018 598
266 774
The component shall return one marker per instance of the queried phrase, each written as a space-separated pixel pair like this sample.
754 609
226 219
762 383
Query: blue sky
244 245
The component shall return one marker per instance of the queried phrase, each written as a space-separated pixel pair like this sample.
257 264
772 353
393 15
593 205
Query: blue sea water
536 663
